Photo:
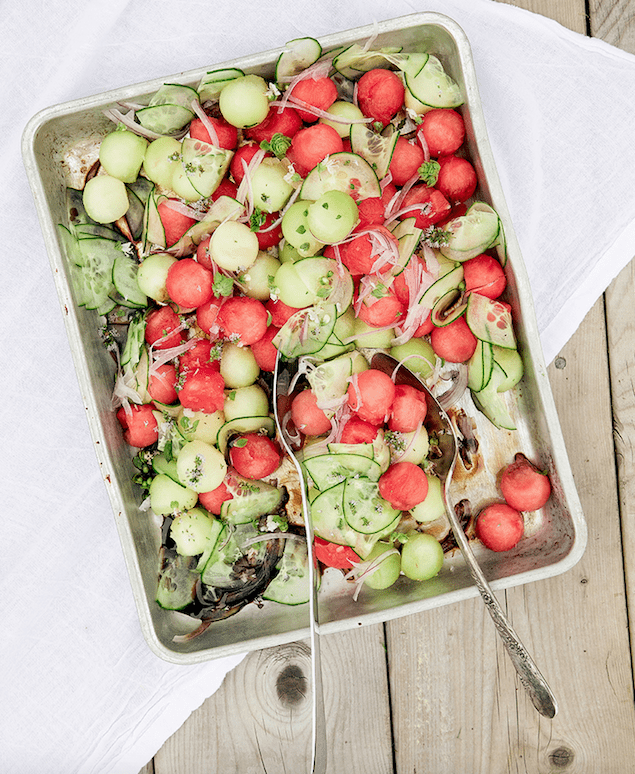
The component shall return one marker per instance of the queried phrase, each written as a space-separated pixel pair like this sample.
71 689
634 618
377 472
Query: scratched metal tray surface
59 144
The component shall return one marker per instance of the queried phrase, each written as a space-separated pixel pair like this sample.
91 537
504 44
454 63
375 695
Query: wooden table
456 706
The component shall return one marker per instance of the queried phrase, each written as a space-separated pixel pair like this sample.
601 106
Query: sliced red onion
456 391
424 144
211 129
185 209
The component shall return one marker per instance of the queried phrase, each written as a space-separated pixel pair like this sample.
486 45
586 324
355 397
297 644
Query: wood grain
450 701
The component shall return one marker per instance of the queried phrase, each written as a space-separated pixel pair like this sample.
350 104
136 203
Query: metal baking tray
59 144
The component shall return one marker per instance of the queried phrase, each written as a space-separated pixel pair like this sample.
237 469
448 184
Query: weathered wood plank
259 722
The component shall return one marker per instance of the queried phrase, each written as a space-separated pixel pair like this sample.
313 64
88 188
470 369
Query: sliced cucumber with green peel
343 171
365 449
408 236
213 82
446 283
306 332
161 464
297 55
365 510
124 278
177 580
480 366
326 470
492 402
229 548
472 233
447 309
251 499
327 516
376 149
135 341
164 119
241 425
490 320
354 60
96 258
431 86
291 585
224 208
511 363
153 231
412 63
329 380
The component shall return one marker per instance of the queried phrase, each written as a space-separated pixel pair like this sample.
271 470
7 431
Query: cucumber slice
224 208
297 55
447 310
97 256
490 320
326 470
366 449
177 580
174 94
327 516
365 510
354 60
344 171
479 366
135 342
251 499
291 584
205 165
153 231
446 283
492 402
329 380
432 87
511 364
376 149
219 569
161 464
213 82
138 193
306 332
124 278
472 233
241 425
408 236
413 63
164 119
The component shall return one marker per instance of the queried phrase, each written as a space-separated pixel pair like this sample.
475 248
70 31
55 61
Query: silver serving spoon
439 424
283 394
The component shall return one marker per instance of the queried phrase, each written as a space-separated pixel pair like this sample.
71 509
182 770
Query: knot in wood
561 757
291 685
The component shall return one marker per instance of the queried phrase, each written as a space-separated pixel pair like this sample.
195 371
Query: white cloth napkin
81 690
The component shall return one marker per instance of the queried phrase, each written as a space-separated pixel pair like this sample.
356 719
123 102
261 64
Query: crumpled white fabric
81 690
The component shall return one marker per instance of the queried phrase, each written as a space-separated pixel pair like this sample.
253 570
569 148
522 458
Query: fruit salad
315 216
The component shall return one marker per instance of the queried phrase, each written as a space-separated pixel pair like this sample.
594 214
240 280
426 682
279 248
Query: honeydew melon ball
433 507
167 496
233 246
291 288
182 186
105 198
269 188
295 229
345 110
417 444
199 426
162 158
368 336
243 102
200 466
238 366
388 567
421 556
121 154
258 278
152 276
287 253
332 217
421 357
249 401
193 532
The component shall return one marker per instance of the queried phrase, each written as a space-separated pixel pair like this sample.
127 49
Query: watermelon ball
523 486
380 94
162 383
457 178
357 430
307 416
454 342
226 134
313 144
443 130
189 284
269 235
403 485
371 213
431 205
243 319
225 188
139 425
483 274
383 311
409 409
161 328
207 314
197 355
203 390
202 254
174 223
264 350
319 93
370 395
279 311
499 527
242 157
334 555
286 121
406 160
254 456
213 499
